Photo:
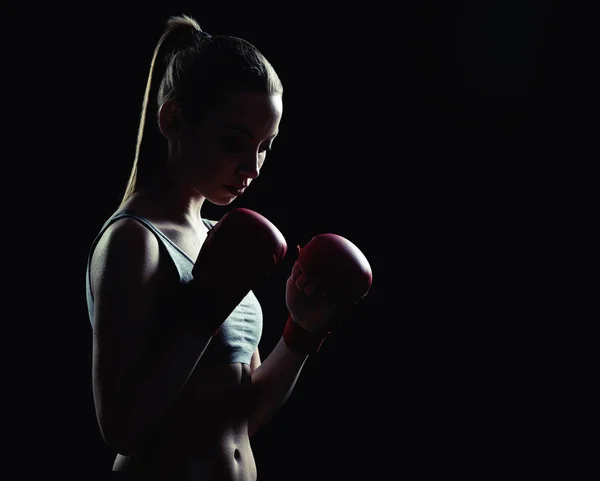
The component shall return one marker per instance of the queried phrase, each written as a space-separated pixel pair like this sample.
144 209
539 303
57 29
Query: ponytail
150 144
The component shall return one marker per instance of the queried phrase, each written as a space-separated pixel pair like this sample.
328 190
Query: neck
168 199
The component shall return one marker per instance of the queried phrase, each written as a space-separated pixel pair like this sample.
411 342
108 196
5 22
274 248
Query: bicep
124 281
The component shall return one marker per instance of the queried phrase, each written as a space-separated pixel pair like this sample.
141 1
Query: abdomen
205 436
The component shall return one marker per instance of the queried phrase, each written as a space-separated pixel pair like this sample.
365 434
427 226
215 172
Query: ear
170 119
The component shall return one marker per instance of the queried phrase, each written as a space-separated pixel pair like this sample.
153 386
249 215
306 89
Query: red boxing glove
336 268
241 250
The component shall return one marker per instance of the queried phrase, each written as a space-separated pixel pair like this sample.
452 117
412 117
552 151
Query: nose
250 168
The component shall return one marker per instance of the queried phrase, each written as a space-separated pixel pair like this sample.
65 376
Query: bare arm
311 317
272 383
274 380
136 377
134 386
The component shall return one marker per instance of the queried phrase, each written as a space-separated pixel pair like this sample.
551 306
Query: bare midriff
204 436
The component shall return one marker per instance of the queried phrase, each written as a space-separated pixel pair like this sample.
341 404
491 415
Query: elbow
117 426
116 438
123 448
254 409
252 429
258 418
119 441
117 435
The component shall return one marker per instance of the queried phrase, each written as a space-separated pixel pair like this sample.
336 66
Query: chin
222 201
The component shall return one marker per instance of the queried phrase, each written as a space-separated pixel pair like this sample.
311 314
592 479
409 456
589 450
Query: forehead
257 111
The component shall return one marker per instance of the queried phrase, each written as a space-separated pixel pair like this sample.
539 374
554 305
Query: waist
221 454
205 430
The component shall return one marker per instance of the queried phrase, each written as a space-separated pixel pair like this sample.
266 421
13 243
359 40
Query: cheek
191 149
203 159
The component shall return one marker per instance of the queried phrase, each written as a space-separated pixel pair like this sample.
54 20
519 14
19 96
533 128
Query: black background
430 134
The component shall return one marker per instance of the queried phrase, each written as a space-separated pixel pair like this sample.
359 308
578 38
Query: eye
232 144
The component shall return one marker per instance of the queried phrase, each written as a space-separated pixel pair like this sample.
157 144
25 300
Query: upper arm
255 360
124 280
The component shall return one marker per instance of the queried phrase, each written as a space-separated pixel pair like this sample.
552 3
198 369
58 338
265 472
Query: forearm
153 394
273 382
153 391
166 369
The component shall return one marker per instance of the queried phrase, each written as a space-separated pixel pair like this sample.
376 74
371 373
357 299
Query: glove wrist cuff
300 340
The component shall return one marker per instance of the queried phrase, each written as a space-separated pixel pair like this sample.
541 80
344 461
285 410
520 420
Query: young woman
179 383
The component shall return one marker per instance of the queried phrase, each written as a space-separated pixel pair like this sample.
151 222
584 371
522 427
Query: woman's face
224 154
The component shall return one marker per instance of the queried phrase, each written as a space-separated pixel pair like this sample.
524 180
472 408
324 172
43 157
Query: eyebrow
245 130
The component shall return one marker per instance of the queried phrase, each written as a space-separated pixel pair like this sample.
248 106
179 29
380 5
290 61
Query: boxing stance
178 381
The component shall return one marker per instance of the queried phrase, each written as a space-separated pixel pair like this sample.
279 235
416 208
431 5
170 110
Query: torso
205 436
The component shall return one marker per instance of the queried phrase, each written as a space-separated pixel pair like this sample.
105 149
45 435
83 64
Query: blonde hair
197 70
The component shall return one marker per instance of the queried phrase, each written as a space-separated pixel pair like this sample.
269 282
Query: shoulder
126 244
127 233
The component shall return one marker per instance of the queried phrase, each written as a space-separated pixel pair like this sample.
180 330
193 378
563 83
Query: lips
237 191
